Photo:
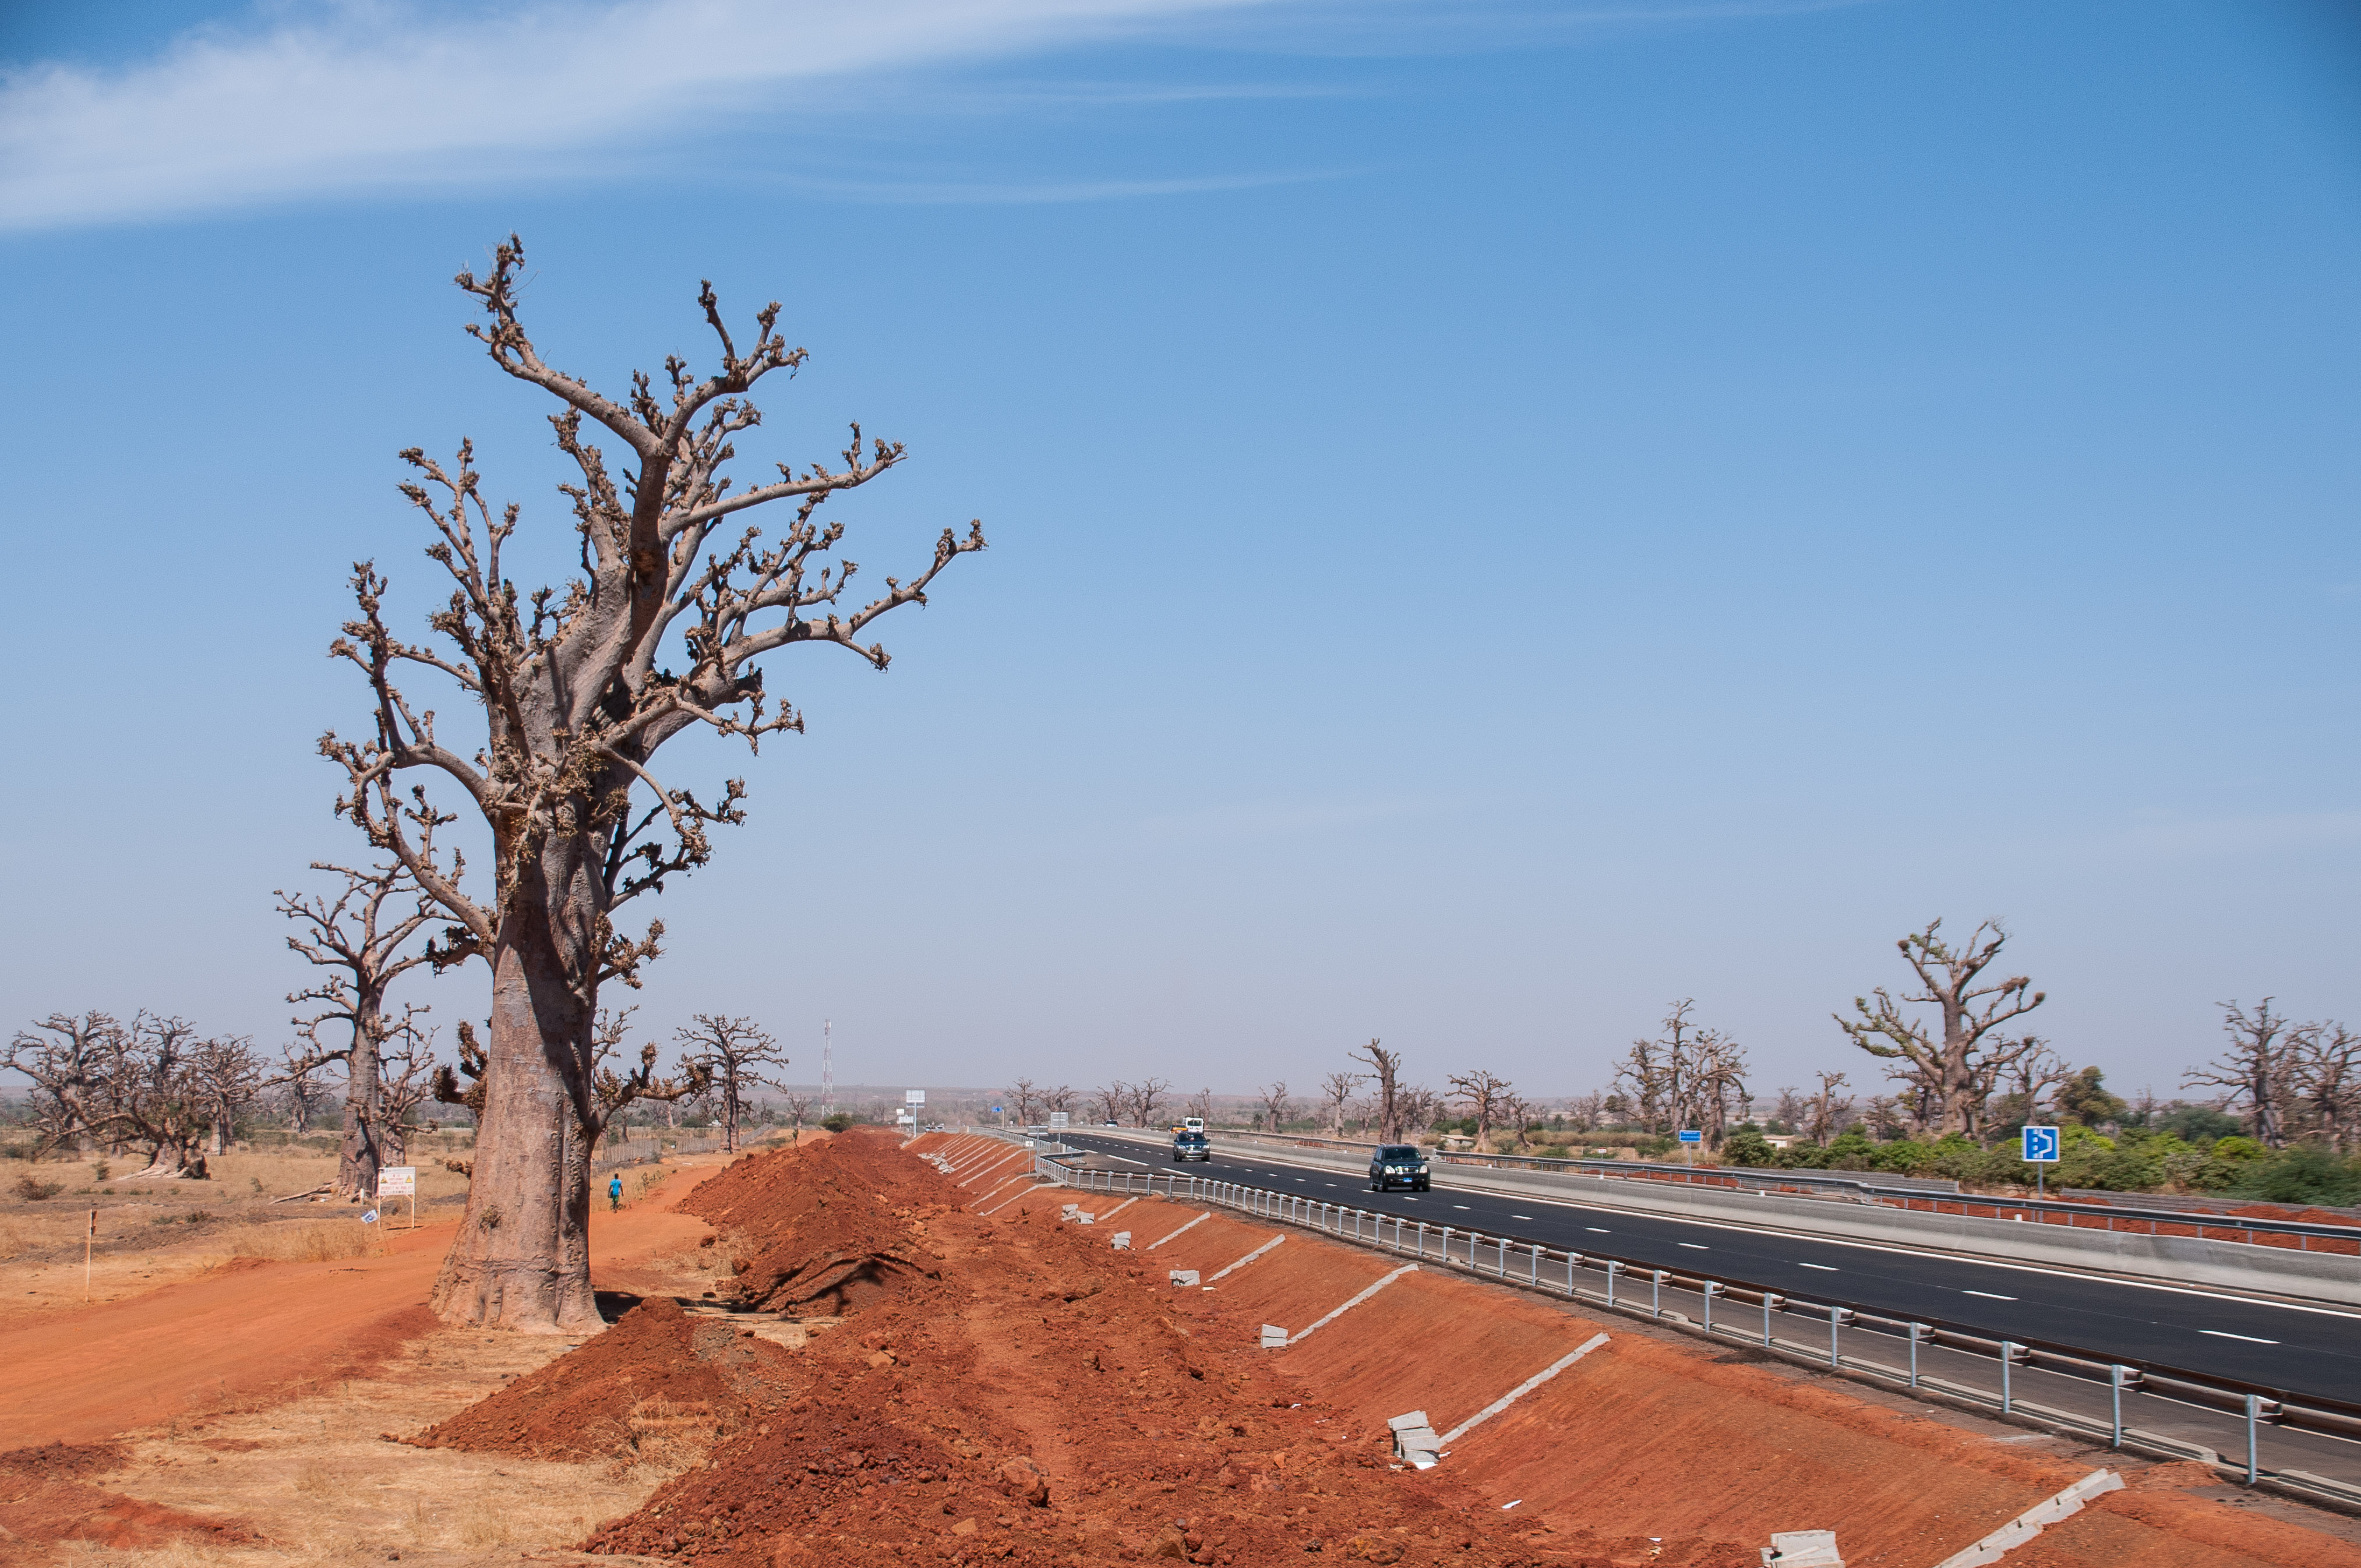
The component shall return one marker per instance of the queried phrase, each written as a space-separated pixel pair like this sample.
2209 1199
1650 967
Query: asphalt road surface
2299 1350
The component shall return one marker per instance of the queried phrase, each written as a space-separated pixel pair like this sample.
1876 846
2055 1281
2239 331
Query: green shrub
1748 1147
837 1123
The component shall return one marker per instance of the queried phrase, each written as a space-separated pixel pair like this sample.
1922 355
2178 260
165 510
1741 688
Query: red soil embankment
1023 1395
657 1365
1656 1437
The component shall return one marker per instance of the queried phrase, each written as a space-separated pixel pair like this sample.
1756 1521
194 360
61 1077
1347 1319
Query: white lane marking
1127 1161
1824 1267
2225 1333
1461 1207
1599 1230
1988 1295
1694 1246
1937 1256
1520 1216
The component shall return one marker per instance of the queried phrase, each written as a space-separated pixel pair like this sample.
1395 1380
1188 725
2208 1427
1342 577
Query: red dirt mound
1035 1400
43 1501
824 1230
659 1371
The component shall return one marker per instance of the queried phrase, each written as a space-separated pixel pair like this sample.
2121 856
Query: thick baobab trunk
522 1259
360 1158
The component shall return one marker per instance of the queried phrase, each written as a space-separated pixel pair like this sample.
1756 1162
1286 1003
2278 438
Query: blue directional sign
1689 1135
997 1110
2041 1145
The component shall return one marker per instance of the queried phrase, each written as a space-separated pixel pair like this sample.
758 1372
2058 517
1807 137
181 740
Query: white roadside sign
398 1181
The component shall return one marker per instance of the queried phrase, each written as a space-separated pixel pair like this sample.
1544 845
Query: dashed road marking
2225 1333
1824 1267
1988 1295
1696 1246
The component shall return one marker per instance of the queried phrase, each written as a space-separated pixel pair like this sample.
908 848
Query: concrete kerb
2332 1278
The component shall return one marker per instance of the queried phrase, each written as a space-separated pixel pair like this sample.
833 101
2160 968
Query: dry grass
297 1241
322 1487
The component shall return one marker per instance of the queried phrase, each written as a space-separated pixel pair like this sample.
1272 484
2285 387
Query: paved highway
2299 1350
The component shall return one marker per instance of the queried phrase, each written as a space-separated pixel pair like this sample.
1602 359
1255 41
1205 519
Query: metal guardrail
1910 1194
1593 1278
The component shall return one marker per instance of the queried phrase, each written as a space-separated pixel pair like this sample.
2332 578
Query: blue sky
1502 516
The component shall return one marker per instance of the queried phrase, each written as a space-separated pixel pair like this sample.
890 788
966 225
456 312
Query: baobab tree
360 936
1336 1089
1955 1070
1386 1067
2256 1065
575 691
1275 1103
1484 1094
1144 1097
730 1052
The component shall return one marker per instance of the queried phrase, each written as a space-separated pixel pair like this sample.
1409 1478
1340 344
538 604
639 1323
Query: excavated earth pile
45 1497
658 1374
1012 1391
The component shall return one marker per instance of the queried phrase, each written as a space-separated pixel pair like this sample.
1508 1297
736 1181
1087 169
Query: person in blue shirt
615 1194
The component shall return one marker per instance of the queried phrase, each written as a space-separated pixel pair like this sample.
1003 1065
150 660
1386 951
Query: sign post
400 1181
2041 1145
913 1101
88 1242
1690 1138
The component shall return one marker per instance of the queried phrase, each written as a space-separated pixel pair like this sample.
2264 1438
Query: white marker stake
1523 1389
1389 1279
1250 1256
1190 1226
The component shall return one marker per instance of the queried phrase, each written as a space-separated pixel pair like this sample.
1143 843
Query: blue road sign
998 1109
1689 1137
2041 1145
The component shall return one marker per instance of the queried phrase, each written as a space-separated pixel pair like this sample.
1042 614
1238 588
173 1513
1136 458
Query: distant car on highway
1400 1165
1190 1146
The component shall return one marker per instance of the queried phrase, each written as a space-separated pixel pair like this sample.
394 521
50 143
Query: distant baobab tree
360 936
1953 1072
574 689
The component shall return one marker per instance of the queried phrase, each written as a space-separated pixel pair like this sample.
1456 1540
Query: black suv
1399 1164
1190 1146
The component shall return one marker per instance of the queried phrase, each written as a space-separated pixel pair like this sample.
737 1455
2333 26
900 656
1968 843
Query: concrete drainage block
1804 1549
1414 1439
1273 1337
1123 1240
1184 1278
1074 1215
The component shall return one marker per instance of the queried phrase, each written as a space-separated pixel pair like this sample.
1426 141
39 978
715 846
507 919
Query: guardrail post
1918 1330
1837 1315
1537 1264
1656 1293
2254 1416
2116 1393
2008 1349
1422 1239
1612 1270
1572 1258
1710 1286
1769 1301
1447 1246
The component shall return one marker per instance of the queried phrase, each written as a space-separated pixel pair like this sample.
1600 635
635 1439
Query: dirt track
256 1331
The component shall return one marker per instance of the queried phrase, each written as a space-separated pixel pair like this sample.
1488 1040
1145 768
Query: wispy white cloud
343 97
379 97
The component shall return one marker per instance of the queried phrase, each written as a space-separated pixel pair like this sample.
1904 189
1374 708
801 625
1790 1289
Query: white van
1193 1124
